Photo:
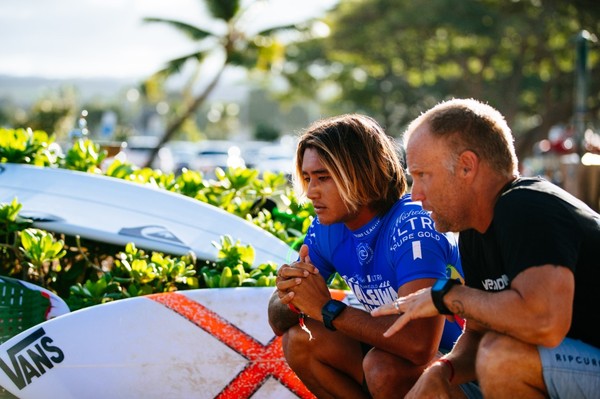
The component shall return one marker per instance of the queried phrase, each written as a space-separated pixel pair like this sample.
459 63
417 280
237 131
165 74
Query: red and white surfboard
206 343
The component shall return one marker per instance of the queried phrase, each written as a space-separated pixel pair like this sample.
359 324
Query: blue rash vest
392 249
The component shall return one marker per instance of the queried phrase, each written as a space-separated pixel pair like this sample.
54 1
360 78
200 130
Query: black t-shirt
537 223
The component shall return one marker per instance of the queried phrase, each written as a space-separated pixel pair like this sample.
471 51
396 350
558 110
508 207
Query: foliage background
394 59
86 272
390 59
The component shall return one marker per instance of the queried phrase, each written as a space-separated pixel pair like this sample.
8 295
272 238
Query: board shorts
471 390
571 370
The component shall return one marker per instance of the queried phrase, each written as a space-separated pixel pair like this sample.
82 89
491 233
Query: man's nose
416 193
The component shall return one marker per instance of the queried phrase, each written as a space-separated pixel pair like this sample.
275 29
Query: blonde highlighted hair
363 161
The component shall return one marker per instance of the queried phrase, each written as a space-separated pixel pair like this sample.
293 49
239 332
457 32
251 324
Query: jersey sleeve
417 250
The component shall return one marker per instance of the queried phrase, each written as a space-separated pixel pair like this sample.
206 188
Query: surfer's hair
363 161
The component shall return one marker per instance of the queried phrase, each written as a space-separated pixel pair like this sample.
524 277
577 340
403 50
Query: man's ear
468 163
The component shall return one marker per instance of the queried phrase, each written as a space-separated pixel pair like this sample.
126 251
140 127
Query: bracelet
293 308
449 364
301 317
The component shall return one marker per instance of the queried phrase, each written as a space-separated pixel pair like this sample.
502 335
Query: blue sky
106 38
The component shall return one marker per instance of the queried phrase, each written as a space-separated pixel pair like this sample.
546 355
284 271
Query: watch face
330 311
334 306
438 285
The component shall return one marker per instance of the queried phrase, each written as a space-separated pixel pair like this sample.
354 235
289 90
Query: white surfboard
204 343
116 211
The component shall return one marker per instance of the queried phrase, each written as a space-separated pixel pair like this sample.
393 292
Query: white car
137 149
275 158
216 153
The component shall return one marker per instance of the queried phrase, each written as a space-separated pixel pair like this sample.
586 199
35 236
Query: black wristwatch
438 290
330 311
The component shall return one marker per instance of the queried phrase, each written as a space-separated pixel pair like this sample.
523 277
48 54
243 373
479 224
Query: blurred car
275 158
184 153
137 150
251 151
212 154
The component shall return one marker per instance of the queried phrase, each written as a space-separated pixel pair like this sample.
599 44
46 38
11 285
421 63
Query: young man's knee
377 373
388 374
295 342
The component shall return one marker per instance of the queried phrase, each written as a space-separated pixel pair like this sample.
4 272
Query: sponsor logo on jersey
375 296
412 214
453 273
411 226
31 357
364 253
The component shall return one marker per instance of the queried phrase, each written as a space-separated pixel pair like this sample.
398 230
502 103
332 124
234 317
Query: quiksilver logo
31 357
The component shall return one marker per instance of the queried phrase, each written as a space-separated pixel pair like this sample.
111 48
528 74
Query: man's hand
414 306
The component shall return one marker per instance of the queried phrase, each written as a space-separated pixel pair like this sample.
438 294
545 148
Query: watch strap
330 311
437 294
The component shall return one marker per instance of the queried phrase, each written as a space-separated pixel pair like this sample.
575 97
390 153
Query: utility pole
587 186
581 85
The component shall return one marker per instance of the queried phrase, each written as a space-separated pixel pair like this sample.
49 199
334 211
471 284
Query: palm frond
225 10
283 28
191 31
175 65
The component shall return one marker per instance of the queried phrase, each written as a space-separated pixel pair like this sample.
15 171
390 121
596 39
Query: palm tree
238 48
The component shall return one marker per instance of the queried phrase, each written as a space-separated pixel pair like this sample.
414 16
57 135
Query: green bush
86 273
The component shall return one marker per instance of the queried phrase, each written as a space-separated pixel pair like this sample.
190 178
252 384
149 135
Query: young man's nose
312 190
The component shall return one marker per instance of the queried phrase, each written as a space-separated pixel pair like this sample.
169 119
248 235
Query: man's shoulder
536 192
525 183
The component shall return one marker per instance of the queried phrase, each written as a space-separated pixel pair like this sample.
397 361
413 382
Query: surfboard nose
24 305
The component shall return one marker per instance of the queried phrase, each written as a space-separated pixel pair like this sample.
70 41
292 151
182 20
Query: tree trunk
176 124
